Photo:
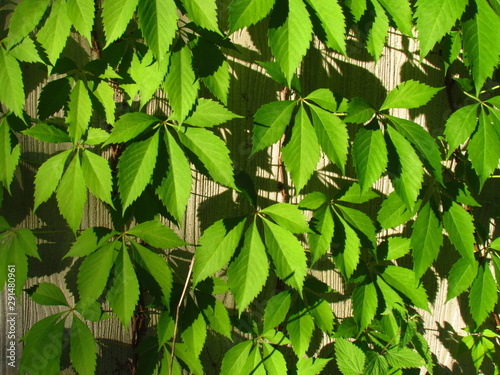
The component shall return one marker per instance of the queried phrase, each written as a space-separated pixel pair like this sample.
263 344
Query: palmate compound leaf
97 175
11 83
158 22
212 152
129 126
460 228
483 295
79 112
81 13
405 168
350 358
300 328
247 12
409 94
426 239
48 176
369 153
484 148
290 33
210 113
364 304
333 23
435 19
72 193
54 33
217 245
115 17
82 353
135 169
460 277
301 153
156 234
481 41
287 253
25 19
276 310
270 122
175 189
460 126
248 273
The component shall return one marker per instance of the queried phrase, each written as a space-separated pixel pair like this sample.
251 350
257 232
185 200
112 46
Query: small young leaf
300 328
409 94
288 216
129 126
460 277
47 133
124 293
83 353
217 245
248 273
156 234
287 254
483 295
80 111
72 194
48 294
97 174
350 358
276 310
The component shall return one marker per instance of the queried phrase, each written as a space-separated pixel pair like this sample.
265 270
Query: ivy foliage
139 163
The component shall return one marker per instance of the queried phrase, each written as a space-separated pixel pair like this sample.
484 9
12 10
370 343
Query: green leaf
235 359
301 153
404 358
244 13
11 83
55 31
360 221
357 8
460 228
311 366
129 126
124 293
377 35
135 169
158 22
80 111
83 351
460 277
397 247
288 216
97 174
401 13
9 156
270 122
175 189
484 148
96 136
46 333
217 245
369 153
48 176
158 267
274 361
359 111
104 93
181 84
47 133
392 300
13 253
350 358
404 281
409 94
353 195
313 201
346 248
425 145
81 13
290 33
300 328
481 41
94 272
333 23
323 98
212 152
185 354
90 240
405 171
435 19
54 96
48 294
460 126
483 295
156 234
276 310
116 16
332 135
248 273
26 51
364 303
218 82
321 235
72 194
27 242
287 254
218 317
209 113
317 297
203 13
25 19
426 239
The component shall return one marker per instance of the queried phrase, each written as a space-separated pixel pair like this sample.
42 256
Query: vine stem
177 314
